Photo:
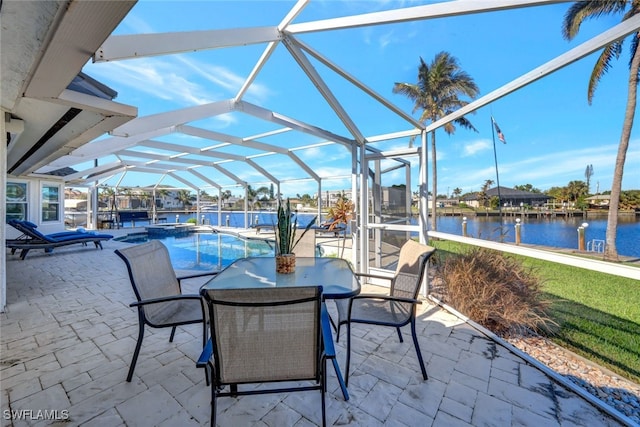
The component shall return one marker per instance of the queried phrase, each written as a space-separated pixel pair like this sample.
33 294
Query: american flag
498 131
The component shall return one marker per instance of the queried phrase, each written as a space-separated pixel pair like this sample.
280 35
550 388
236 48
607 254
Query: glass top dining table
334 275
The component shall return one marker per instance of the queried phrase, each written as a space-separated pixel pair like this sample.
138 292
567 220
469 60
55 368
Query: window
50 203
16 201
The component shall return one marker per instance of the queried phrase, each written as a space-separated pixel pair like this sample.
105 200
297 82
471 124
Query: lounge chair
331 227
33 239
27 226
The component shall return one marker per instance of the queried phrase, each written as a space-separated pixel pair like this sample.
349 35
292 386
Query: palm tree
184 197
106 195
588 173
437 94
252 196
483 198
161 194
128 194
225 195
144 199
576 190
263 193
575 16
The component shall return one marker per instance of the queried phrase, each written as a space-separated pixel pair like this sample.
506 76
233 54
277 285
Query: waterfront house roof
510 194
599 197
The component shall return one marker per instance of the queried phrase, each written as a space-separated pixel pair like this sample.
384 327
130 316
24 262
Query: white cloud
473 148
224 120
324 154
225 78
155 77
551 169
311 153
385 39
138 25
178 79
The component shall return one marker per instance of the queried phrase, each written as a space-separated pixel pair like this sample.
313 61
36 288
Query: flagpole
495 157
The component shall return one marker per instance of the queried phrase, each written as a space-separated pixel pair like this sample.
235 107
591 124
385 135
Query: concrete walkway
68 334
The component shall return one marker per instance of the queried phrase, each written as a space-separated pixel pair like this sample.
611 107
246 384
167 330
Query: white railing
566 259
616 269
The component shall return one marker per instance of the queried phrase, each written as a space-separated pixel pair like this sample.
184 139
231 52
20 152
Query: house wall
3 182
34 203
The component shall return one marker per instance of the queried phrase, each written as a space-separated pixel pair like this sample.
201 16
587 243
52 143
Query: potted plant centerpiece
286 230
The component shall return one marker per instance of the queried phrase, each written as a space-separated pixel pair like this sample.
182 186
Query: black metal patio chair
160 301
266 335
396 309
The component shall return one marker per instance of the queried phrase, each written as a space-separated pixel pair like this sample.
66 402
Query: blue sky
552 133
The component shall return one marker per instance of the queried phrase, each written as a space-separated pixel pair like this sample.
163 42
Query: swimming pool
207 251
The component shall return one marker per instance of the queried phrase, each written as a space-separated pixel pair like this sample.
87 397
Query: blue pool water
208 251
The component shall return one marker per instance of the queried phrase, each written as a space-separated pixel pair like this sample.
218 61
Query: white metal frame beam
438 10
95 170
205 178
121 47
271 116
182 180
181 149
357 82
222 137
192 162
271 47
106 147
323 88
248 142
161 157
173 118
231 175
90 179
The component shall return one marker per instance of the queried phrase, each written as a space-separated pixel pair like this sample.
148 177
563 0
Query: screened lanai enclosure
61 120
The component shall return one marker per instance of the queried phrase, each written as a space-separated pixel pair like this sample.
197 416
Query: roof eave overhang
38 70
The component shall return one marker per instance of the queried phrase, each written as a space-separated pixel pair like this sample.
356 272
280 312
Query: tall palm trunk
434 181
611 252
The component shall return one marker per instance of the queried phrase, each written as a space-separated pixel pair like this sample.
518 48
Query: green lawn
598 314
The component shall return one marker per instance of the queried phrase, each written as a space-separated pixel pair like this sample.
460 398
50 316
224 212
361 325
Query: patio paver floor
68 334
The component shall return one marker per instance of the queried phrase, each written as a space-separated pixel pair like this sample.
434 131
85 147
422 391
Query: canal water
555 232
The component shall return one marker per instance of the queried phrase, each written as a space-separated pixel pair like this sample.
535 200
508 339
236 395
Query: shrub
494 290
192 221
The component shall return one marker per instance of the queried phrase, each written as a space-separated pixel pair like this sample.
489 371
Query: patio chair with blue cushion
160 301
396 309
31 238
266 335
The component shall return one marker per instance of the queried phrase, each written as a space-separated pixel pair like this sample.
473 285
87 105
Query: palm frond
603 64
587 9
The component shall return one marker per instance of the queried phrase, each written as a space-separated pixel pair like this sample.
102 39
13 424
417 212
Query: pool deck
68 334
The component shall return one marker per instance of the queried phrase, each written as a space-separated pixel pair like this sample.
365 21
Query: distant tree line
575 192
